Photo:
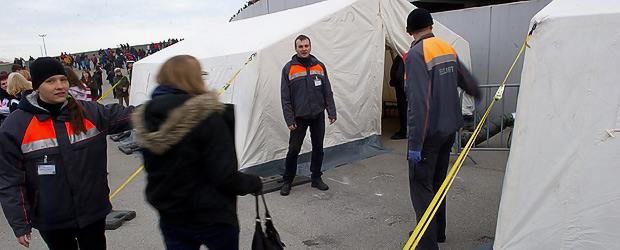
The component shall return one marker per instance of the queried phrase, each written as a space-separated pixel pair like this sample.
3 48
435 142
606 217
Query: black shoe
441 239
319 184
398 136
286 189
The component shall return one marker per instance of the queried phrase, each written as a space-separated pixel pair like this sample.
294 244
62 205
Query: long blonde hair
26 74
17 83
182 72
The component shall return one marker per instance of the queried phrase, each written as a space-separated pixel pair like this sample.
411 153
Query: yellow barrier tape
142 167
108 92
447 183
128 180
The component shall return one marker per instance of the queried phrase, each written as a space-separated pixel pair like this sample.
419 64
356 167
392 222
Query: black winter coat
74 192
189 155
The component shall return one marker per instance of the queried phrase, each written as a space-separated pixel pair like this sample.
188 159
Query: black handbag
270 239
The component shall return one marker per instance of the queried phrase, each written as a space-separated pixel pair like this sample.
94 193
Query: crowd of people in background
88 86
250 2
110 58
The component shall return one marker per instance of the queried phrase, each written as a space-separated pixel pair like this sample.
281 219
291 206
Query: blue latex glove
414 156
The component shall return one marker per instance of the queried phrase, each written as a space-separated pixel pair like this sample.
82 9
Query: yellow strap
447 183
140 169
127 181
235 76
108 92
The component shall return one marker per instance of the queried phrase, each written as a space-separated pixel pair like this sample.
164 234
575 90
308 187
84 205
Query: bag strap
267 216
257 212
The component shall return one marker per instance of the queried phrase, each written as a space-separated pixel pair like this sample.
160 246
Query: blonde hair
182 72
17 83
25 73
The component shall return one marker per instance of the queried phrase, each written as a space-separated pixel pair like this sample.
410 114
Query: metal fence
496 132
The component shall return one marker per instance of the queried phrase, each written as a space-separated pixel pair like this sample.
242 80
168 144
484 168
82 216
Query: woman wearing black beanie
53 162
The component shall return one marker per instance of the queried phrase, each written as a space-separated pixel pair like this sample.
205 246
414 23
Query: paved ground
367 207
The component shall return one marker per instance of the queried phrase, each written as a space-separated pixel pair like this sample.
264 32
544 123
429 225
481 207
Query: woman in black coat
189 155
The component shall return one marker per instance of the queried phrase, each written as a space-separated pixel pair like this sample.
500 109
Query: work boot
319 184
286 189
441 239
398 136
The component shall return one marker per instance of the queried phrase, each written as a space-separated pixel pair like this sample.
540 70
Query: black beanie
43 68
417 19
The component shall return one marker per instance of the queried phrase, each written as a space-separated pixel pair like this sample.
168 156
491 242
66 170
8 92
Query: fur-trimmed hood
179 122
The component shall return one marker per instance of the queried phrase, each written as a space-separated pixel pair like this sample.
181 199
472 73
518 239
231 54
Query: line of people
250 2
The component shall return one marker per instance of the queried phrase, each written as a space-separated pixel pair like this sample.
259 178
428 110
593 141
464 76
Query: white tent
349 36
561 189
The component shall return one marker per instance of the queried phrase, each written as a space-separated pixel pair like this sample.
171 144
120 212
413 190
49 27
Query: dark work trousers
90 237
401 102
425 179
317 133
218 236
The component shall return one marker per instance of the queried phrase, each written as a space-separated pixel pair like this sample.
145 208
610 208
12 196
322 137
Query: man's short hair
301 38
16 67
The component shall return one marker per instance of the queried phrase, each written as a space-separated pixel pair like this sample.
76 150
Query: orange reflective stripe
296 69
437 51
87 124
91 131
39 135
317 68
39 130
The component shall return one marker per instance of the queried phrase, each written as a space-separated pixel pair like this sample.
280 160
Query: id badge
48 168
317 81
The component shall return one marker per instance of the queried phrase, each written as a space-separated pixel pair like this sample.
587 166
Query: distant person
130 69
110 78
104 61
77 89
89 82
16 67
54 162
189 155
5 98
122 87
397 80
433 73
98 76
306 93
119 61
17 84
94 60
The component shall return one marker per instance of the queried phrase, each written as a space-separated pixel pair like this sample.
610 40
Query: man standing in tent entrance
306 93
432 73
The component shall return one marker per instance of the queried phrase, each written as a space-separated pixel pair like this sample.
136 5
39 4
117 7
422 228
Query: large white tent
561 188
349 36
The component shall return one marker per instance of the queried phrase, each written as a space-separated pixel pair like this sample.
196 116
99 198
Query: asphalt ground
367 206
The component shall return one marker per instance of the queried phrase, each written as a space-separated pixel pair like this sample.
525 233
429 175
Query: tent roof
249 35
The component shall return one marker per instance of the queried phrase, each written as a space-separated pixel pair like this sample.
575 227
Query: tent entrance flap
334 156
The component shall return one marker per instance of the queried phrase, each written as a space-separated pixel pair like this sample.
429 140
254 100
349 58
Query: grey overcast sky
82 25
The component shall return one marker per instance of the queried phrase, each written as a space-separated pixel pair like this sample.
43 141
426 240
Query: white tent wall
560 189
353 78
349 36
